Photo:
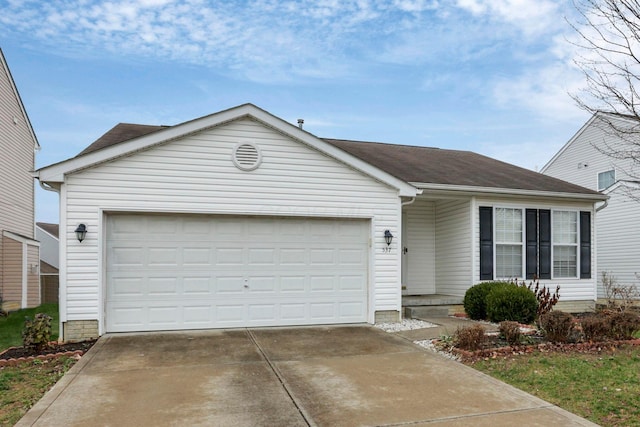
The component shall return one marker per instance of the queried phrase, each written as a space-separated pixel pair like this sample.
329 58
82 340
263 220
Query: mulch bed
15 355
511 351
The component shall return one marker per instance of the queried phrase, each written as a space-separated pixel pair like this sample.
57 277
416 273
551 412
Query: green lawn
23 385
603 388
11 326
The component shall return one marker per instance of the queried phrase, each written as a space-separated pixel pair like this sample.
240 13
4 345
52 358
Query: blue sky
490 76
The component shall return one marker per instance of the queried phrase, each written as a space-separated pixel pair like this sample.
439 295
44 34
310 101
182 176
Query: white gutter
47 187
469 189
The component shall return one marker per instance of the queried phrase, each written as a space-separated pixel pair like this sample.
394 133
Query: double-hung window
564 231
528 243
509 242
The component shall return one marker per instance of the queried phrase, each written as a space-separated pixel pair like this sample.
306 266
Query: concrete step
418 300
422 311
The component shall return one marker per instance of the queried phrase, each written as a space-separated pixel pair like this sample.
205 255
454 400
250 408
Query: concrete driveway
324 376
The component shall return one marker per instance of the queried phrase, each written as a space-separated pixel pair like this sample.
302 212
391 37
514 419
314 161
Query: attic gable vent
246 157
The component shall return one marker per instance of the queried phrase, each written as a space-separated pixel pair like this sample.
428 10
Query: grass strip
603 388
23 385
11 326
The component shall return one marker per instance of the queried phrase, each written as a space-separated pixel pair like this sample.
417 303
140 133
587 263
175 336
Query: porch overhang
447 190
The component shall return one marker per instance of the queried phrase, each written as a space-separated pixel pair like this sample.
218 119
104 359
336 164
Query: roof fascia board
622 184
19 238
56 172
570 142
580 132
19 99
47 233
471 190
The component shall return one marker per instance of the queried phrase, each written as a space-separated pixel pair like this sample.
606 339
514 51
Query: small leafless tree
618 296
608 40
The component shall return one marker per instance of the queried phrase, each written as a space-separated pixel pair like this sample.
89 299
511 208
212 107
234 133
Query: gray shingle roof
452 167
120 133
409 163
52 229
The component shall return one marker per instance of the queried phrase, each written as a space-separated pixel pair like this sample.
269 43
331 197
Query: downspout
604 205
61 301
408 202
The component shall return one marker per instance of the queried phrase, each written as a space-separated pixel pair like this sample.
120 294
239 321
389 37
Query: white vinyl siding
421 247
508 243
580 161
196 174
49 247
616 242
617 239
572 289
453 246
17 162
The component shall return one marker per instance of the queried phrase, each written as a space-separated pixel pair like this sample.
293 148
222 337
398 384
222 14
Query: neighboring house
19 251
583 162
47 235
241 219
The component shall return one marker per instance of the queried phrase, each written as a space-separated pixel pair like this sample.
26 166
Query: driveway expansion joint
280 378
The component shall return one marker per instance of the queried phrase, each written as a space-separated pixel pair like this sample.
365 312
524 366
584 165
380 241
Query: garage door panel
238 272
198 286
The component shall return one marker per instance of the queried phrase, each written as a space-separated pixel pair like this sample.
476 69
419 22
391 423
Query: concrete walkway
315 376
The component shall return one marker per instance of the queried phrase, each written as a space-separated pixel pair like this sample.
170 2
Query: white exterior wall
49 245
420 242
618 250
453 246
580 162
618 239
196 174
570 289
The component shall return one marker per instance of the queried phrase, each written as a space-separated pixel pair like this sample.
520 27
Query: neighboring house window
606 179
509 242
548 244
565 243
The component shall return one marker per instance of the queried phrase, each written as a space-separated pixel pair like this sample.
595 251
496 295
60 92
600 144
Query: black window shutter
585 245
532 242
486 243
544 233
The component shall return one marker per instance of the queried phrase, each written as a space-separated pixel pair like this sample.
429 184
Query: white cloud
544 91
532 17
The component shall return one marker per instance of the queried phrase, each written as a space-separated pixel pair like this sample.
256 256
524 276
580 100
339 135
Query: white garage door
169 272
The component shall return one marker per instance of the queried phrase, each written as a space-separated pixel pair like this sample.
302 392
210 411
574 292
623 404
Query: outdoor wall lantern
81 232
388 237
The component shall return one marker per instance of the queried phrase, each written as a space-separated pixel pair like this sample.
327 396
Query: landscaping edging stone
19 360
492 353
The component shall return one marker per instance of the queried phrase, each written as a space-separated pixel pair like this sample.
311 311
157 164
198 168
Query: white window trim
615 173
522 243
576 245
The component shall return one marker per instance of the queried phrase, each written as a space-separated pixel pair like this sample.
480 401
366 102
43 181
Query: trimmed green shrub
37 331
475 299
510 331
622 325
511 302
469 337
557 326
